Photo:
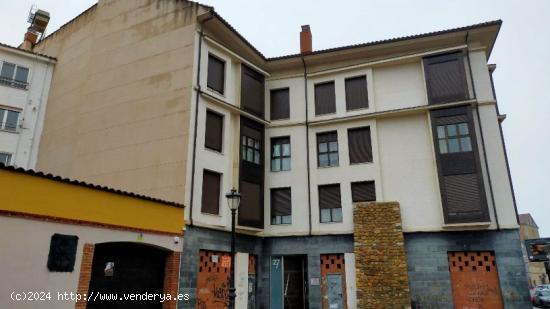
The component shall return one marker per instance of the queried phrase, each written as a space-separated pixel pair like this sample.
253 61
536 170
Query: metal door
335 295
474 279
333 281
213 280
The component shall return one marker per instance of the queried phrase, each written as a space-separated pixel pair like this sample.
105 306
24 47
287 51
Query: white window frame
9 155
4 119
12 82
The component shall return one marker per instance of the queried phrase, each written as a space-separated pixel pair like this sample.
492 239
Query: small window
281 206
360 147
325 98
356 93
62 253
211 188
250 148
327 149
280 104
453 138
280 154
363 191
5 158
446 78
8 120
213 131
14 75
216 74
330 205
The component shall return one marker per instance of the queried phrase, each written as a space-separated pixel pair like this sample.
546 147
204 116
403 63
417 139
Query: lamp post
233 201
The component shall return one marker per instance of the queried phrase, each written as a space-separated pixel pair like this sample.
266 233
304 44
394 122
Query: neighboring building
59 236
25 79
536 271
165 98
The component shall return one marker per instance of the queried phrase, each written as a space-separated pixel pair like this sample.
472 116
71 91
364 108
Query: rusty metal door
474 279
333 281
213 280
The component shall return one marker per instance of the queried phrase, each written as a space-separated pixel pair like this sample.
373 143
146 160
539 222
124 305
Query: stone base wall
381 264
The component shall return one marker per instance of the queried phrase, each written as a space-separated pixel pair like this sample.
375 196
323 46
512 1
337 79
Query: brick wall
171 278
85 273
381 264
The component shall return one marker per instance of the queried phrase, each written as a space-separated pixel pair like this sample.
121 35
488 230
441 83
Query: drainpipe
307 145
197 95
481 132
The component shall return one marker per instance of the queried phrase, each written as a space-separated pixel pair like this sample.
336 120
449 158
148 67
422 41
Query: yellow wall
46 197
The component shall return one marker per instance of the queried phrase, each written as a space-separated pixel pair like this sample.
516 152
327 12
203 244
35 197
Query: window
252 91
330 203
5 158
446 78
14 75
327 149
251 149
363 191
454 138
281 209
280 154
280 104
216 74
214 131
8 120
359 143
325 98
211 188
356 93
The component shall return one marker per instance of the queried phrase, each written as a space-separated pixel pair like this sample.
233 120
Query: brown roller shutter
446 78
325 98
250 210
216 74
363 191
211 192
280 105
360 148
329 196
252 91
214 131
356 93
280 202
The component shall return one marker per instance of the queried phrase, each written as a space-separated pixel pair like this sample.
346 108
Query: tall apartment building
167 99
24 84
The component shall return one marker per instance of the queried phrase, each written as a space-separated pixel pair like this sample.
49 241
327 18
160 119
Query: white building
25 79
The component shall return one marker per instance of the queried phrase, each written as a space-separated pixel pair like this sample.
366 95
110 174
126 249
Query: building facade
169 100
25 79
536 271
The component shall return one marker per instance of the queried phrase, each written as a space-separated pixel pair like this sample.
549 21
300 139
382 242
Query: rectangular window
446 78
251 150
280 104
363 191
330 205
14 75
360 147
454 138
252 91
216 74
325 98
5 158
327 149
211 188
281 206
356 93
8 120
280 154
213 131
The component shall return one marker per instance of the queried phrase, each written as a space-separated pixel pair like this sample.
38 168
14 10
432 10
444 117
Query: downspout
481 132
197 95
307 146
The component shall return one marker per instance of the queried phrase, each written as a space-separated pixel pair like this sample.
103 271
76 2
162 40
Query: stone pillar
380 260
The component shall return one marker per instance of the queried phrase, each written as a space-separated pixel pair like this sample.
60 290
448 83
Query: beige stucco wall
120 99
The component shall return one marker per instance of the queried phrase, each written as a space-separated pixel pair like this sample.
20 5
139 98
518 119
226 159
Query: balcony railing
10 82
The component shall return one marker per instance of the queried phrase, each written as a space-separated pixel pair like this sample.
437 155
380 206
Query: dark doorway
295 282
124 268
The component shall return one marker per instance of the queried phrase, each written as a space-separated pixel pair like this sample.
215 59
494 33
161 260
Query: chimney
29 40
39 20
305 40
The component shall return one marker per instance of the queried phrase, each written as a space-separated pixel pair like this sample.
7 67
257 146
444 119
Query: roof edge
16 49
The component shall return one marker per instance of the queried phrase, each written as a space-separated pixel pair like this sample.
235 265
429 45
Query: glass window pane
286 149
333 159
276 150
451 130
275 165
336 214
11 120
323 147
5 158
333 146
440 131
325 215
2 111
249 154
463 129
257 144
453 145
250 142
286 220
443 146
7 70
257 157
286 164
465 144
323 160
21 74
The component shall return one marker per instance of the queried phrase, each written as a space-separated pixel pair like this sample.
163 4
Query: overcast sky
522 55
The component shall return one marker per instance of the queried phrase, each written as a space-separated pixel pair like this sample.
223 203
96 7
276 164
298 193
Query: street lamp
233 201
